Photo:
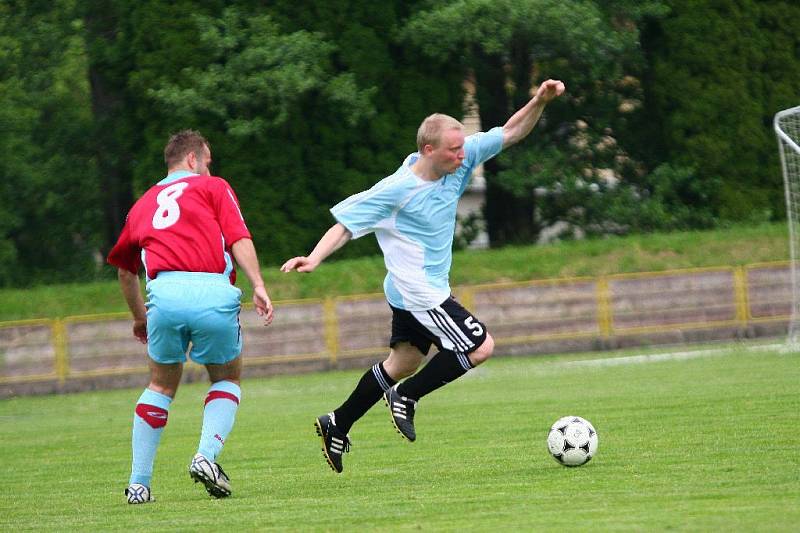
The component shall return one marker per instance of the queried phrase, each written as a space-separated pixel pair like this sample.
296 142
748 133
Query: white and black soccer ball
572 441
137 493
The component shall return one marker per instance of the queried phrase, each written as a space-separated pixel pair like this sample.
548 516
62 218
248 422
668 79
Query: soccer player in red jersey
185 232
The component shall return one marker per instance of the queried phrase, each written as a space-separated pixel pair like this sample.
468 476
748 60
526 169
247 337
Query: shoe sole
211 487
321 434
391 417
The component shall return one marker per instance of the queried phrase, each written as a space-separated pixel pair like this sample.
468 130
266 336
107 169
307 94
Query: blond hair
431 129
182 143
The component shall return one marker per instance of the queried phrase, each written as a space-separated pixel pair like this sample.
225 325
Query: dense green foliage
49 200
284 98
697 443
666 124
575 165
717 74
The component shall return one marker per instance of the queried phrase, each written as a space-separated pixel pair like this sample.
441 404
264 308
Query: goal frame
791 183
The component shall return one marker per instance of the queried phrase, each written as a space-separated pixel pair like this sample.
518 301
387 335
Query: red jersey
187 224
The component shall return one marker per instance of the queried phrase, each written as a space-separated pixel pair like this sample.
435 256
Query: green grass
638 253
705 443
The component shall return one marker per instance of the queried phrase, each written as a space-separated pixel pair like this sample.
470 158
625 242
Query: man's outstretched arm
336 237
522 122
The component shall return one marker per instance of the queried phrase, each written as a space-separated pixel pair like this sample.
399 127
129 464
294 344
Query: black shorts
449 326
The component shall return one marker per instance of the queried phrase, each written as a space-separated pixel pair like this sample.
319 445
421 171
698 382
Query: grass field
704 441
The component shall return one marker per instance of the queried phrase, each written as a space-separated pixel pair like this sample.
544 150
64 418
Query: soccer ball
572 441
138 493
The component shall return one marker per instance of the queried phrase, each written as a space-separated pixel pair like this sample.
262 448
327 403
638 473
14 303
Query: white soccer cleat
138 493
211 475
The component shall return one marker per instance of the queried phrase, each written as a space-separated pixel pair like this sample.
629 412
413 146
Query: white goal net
787 128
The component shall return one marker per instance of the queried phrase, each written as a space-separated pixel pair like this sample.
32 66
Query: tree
48 204
305 103
510 46
718 72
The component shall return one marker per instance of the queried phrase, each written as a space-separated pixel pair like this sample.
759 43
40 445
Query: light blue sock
149 420
222 402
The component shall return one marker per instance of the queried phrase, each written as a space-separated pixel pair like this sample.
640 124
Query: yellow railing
328 331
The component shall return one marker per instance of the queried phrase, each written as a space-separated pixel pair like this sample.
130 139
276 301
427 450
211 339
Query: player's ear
191 160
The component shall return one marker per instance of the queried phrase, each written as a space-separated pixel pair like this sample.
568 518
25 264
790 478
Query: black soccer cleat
402 410
334 442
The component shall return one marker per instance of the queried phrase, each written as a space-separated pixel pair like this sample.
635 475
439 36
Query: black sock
369 390
444 367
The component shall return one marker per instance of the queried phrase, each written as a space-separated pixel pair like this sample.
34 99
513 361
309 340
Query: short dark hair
182 143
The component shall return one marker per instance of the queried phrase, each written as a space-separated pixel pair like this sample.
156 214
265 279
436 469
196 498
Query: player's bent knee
483 352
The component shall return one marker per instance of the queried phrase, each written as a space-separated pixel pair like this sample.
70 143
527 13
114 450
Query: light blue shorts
193 307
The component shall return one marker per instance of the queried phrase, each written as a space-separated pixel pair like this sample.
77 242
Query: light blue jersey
414 221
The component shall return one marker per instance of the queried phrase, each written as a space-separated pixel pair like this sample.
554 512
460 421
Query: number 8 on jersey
168 211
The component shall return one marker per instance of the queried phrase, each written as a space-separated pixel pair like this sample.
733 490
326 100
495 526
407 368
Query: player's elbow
124 275
511 136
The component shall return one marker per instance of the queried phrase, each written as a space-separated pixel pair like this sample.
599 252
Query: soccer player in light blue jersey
413 215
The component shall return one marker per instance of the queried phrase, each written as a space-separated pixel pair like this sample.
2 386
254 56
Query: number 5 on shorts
473 326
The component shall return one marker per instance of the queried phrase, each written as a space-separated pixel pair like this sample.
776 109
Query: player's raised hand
263 304
549 90
300 264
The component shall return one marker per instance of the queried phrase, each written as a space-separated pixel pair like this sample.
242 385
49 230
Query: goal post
787 128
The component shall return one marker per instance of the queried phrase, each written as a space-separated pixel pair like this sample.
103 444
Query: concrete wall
534 317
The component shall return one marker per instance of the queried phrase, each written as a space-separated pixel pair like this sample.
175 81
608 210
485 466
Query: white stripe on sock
376 370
